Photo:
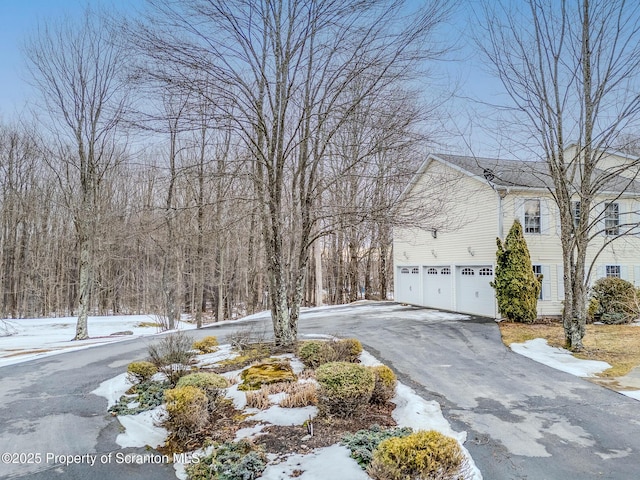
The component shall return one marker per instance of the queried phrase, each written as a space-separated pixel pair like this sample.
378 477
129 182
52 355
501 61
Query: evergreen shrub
612 301
385 384
345 388
517 287
420 456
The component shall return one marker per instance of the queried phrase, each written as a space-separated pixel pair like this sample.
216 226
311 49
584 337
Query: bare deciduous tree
571 71
77 69
286 69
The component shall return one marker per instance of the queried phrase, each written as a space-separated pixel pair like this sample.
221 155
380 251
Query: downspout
502 193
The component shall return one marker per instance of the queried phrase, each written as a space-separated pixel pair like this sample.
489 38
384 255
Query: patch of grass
615 344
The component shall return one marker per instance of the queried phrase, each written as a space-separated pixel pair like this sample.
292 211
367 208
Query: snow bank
558 358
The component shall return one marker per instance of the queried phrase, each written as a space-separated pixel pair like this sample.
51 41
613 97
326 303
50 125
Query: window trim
530 224
613 271
575 212
612 219
539 267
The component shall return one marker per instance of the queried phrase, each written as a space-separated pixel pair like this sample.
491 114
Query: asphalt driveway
524 420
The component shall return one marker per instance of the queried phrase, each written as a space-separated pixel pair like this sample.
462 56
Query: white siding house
451 268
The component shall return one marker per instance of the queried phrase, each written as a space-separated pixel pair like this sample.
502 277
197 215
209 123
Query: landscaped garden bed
326 410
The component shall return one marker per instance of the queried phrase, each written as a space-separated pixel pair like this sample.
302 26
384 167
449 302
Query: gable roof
524 174
501 172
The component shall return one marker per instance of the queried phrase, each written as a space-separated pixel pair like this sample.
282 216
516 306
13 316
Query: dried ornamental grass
301 395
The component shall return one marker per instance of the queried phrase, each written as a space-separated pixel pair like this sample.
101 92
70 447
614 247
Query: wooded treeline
216 232
215 159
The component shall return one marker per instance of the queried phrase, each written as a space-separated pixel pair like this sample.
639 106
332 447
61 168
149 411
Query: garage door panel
408 285
474 293
438 291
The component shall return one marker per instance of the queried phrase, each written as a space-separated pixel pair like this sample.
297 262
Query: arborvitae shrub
345 388
419 456
517 287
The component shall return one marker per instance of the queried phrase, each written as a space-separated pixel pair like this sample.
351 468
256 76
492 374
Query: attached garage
474 294
408 285
438 288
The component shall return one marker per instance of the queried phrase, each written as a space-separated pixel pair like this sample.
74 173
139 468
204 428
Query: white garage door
437 287
408 285
473 292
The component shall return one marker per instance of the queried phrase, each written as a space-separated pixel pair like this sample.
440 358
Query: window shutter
600 215
544 217
601 272
624 272
636 275
546 282
560 274
636 216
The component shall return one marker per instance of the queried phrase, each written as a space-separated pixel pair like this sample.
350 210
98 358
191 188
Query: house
451 268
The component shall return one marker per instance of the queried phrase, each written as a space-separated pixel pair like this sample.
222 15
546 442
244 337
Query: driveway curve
523 420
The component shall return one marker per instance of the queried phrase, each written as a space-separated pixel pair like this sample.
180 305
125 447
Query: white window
415 270
467 271
612 271
575 210
485 272
445 271
532 216
432 271
404 270
612 219
537 270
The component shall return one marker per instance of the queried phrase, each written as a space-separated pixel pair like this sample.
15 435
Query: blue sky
19 19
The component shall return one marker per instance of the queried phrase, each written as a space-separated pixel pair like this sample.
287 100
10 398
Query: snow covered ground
561 359
38 337
331 462
28 338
